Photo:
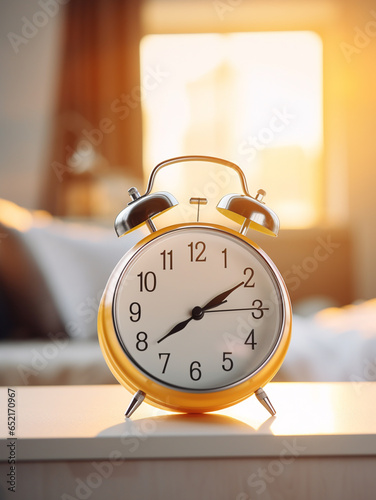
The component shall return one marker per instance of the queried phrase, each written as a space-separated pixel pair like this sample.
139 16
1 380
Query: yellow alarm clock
195 317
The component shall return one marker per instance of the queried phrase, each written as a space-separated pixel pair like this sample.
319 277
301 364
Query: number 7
167 354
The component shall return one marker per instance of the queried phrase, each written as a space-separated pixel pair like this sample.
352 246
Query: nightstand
73 442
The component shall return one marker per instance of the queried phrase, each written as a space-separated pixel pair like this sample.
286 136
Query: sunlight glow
251 98
16 217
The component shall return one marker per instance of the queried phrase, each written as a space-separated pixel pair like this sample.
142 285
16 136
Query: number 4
251 339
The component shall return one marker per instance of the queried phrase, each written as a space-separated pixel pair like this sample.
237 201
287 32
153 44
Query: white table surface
87 422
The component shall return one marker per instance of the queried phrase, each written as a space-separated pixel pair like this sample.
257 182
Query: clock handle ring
210 159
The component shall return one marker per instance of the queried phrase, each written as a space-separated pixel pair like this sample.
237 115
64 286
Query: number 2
251 272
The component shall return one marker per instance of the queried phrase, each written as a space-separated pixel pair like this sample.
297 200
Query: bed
53 272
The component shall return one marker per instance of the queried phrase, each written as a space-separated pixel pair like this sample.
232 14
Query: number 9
135 310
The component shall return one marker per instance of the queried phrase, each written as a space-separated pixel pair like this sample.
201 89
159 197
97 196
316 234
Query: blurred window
252 98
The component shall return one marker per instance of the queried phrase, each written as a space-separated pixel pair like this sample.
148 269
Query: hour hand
220 299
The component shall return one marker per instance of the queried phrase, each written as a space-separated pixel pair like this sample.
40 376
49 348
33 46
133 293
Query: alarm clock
195 317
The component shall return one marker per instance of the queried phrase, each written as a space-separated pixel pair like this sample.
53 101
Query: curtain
97 126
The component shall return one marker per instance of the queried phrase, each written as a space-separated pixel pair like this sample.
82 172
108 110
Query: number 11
164 255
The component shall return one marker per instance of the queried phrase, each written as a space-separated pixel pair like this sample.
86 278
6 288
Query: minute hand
219 299
176 329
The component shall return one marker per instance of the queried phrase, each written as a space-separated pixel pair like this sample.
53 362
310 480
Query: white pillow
76 261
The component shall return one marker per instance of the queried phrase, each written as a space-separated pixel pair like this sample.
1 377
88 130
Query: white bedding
335 344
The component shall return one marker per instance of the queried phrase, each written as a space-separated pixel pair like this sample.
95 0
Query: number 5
230 363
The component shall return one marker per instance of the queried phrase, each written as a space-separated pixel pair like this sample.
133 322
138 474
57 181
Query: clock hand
198 312
219 299
176 328
242 309
255 308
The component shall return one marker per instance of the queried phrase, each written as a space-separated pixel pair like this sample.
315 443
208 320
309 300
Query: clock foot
264 400
135 403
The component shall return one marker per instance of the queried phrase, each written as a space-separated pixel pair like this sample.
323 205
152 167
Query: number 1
225 258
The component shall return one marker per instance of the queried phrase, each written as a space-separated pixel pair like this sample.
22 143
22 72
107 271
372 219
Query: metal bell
141 210
250 213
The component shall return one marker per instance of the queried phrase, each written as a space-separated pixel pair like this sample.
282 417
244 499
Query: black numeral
227 367
258 311
200 247
141 344
224 258
251 339
195 371
167 259
167 357
135 310
249 271
147 282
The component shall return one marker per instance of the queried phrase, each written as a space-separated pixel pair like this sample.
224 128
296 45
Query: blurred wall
359 46
29 64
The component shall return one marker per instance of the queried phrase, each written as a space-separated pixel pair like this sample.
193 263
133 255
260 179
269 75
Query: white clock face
198 308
